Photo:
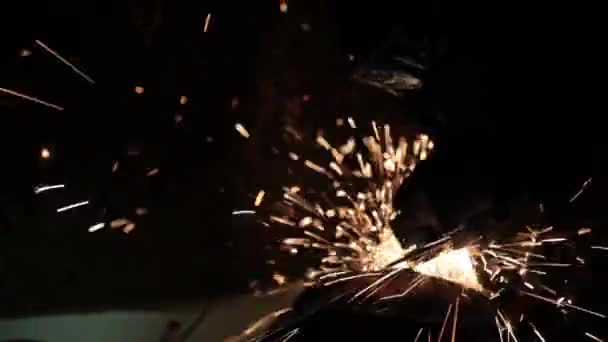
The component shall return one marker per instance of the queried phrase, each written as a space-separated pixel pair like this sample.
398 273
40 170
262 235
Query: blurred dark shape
396 66
172 332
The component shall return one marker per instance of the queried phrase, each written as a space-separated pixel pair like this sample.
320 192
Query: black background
510 98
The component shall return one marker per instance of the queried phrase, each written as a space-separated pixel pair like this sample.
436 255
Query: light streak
31 98
65 61
559 302
243 212
207 21
418 334
581 190
96 227
537 333
44 188
445 321
259 198
455 322
72 206
595 338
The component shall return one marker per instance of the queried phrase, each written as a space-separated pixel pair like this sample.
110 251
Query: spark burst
350 225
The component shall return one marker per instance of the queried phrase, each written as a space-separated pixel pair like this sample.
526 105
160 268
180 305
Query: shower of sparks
207 21
96 227
72 206
65 61
43 188
242 131
581 190
30 98
349 224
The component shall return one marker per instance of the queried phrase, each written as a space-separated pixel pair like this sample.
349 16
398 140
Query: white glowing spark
243 212
581 190
43 188
65 61
72 206
595 338
30 98
96 227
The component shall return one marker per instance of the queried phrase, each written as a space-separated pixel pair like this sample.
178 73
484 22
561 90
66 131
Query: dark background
508 97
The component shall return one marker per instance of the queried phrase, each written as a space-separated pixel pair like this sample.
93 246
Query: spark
414 284
283 6
353 237
128 228
139 90
141 211
290 334
559 302
604 248
152 172
259 198
96 227
581 190
445 321
343 279
279 278
243 212
537 333
418 334
584 231
351 122
72 206
45 153
207 21
455 322
241 130
65 61
31 98
595 338
183 100
43 188
25 52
